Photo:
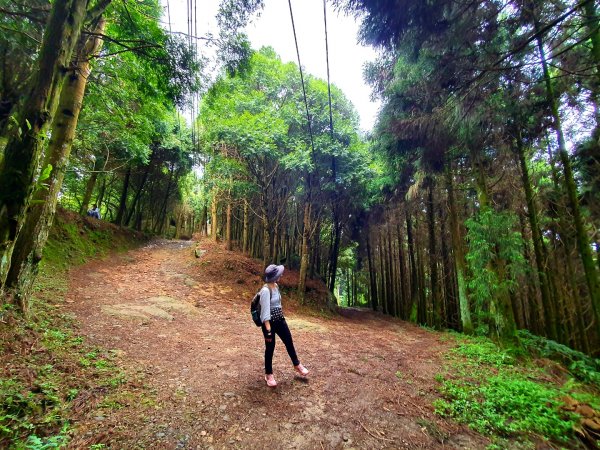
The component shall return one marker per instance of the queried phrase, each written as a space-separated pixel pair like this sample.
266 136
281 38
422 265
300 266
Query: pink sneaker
270 379
301 370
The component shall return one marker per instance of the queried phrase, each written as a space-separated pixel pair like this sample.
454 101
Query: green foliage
259 150
47 443
504 404
15 405
583 367
499 391
234 49
484 351
129 122
495 256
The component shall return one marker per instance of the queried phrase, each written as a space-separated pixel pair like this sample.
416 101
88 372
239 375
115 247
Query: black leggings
279 328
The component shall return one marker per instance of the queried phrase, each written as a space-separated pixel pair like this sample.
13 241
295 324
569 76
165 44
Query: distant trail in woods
182 324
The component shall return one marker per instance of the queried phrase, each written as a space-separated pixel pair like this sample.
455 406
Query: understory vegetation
531 392
473 205
49 373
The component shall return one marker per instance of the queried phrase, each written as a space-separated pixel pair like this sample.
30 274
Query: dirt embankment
181 325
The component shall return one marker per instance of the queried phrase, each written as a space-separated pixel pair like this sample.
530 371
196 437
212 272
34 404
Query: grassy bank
49 374
538 394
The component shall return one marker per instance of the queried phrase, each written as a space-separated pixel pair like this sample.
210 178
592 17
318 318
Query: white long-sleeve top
268 300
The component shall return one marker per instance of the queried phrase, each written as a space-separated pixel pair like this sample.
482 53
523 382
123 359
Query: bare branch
20 32
21 14
132 49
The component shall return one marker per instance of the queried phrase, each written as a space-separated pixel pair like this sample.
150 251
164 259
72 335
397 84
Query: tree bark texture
459 257
246 225
123 199
583 242
538 244
228 226
32 239
24 147
213 217
304 254
90 185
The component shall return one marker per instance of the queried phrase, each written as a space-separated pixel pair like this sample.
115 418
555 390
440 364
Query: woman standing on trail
273 323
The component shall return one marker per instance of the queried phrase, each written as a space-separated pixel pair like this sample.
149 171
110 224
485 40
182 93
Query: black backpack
255 308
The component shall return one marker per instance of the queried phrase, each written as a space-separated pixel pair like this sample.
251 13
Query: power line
327 59
169 16
312 144
333 165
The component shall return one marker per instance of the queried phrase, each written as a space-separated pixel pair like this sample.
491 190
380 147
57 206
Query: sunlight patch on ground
170 304
301 324
158 307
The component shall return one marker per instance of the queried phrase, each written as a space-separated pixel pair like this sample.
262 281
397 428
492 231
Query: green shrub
484 351
48 443
497 390
506 404
581 366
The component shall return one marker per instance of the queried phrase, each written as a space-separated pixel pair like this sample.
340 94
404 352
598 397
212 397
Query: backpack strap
270 291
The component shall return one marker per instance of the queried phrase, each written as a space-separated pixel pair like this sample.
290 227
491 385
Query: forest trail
181 326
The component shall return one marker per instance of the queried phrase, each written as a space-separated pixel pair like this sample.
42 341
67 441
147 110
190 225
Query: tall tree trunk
421 313
335 251
448 297
275 247
528 293
91 183
433 268
213 217
563 243
372 274
173 177
583 242
100 197
106 197
228 226
414 275
314 246
123 199
178 220
593 25
383 271
284 241
392 272
459 257
245 232
266 238
139 190
304 253
22 153
549 310
348 295
500 306
32 239
204 221
403 281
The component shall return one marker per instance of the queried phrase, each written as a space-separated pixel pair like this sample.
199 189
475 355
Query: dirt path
182 324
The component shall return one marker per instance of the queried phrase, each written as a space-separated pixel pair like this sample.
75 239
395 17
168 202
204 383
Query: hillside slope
42 369
183 324
155 348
